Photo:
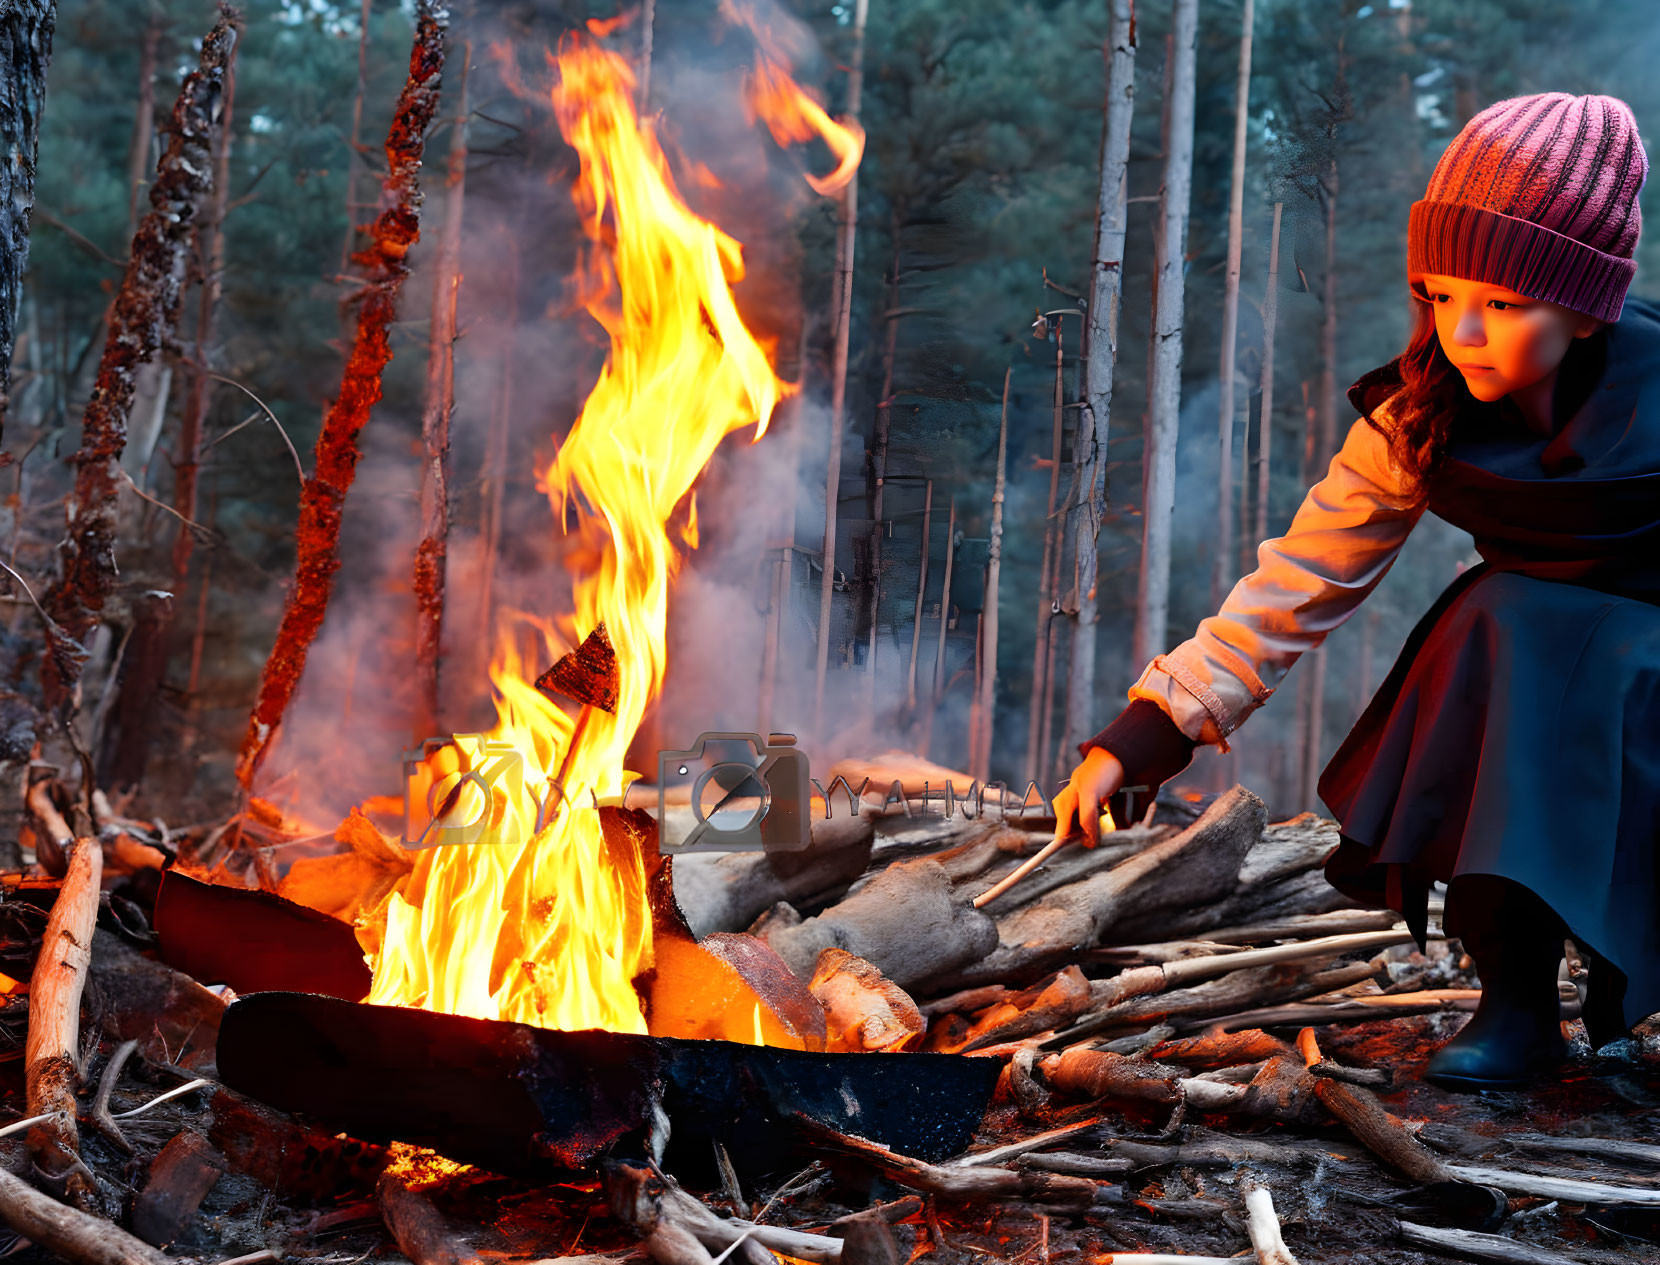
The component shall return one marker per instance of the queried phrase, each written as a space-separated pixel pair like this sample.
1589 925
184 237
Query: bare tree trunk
921 593
938 691
1265 426
354 143
1153 608
317 535
432 554
783 567
980 764
493 493
146 660
26 46
1219 579
1051 636
845 233
1036 713
1326 412
879 462
152 380
648 25
1106 293
145 312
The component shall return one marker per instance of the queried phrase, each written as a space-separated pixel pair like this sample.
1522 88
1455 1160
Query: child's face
1501 341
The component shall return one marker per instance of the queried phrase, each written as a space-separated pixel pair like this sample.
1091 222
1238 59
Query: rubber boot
1515 940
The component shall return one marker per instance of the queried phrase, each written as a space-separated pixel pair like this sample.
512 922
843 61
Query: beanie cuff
1452 239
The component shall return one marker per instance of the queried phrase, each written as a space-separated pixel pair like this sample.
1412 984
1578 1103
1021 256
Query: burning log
349 883
862 1009
1095 1074
1045 1006
906 921
730 987
424 1234
68 1233
1193 867
322 501
141 322
52 1046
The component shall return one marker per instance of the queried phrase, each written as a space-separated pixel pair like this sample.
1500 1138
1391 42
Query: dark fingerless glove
1151 748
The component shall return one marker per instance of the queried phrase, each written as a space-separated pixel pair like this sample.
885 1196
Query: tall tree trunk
1036 712
1106 293
980 764
938 690
648 25
317 535
846 227
493 492
1219 578
1326 413
1153 608
146 660
879 469
354 143
145 312
432 554
921 596
26 47
783 567
1265 426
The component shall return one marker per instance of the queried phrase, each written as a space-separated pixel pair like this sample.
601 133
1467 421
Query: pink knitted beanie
1538 194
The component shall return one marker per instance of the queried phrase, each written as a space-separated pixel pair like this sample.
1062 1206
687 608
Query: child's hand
1078 806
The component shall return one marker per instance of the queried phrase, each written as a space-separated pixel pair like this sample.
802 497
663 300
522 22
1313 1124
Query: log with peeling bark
906 921
142 320
863 1011
1191 868
322 501
53 1044
727 892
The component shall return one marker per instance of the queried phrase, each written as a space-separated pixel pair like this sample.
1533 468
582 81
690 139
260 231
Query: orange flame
790 114
542 924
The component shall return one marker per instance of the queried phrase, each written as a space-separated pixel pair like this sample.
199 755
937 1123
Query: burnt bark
145 313
432 554
25 50
322 501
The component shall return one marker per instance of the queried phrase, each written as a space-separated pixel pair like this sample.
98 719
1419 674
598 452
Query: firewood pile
1207 1054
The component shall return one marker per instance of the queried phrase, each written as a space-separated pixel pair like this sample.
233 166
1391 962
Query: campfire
523 1025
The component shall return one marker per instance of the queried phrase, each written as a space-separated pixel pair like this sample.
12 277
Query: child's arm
1341 543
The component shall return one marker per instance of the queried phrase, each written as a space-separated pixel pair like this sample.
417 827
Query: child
1513 751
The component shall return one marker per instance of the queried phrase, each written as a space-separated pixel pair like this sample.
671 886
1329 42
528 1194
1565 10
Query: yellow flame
549 926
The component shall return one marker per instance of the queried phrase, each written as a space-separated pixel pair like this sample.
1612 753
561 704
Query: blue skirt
1518 734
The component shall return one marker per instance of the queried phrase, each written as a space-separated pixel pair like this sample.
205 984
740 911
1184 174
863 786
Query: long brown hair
1433 399
1421 415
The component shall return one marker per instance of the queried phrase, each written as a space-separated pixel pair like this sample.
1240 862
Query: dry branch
1481 1247
322 501
423 1233
1382 1132
50 1051
63 1231
141 323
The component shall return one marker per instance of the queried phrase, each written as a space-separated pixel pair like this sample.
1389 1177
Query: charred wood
180 1178
141 322
322 501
